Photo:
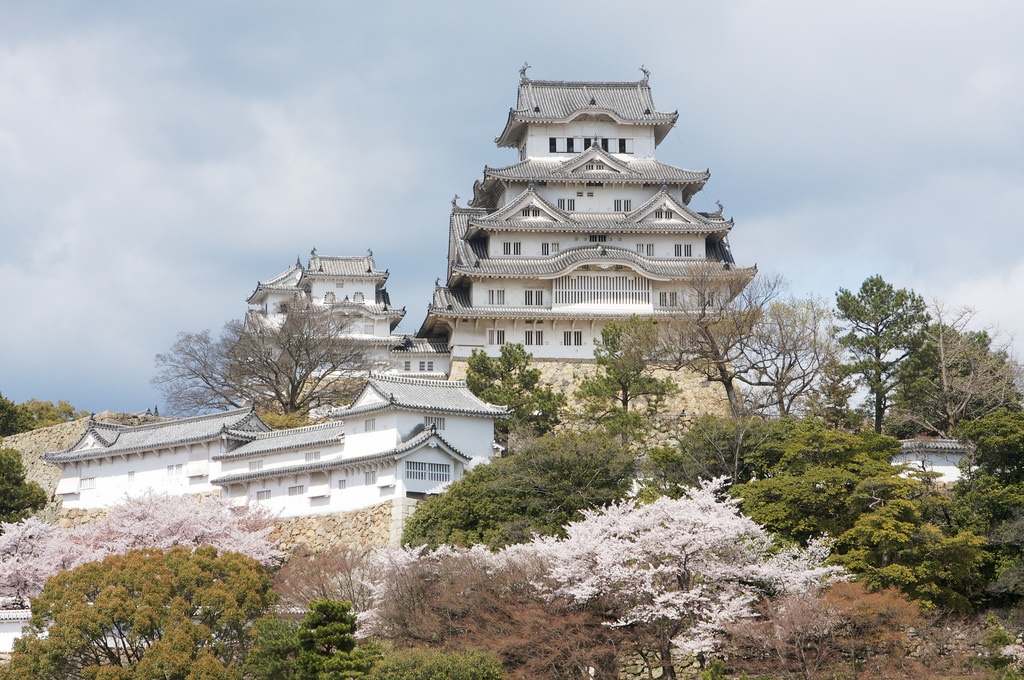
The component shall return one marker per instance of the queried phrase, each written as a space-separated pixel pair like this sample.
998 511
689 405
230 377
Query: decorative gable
528 205
662 207
595 159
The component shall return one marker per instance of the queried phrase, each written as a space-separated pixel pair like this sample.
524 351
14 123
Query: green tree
625 393
884 327
989 495
434 664
538 490
177 615
889 529
13 418
18 498
321 647
46 413
509 380
712 447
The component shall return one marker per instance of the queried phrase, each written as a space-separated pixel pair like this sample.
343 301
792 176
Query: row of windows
516 248
574 144
532 298
496 336
424 366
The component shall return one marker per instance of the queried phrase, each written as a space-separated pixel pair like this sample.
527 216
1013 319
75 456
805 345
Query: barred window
312 456
370 477
342 483
255 465
263 495
87 483
297 490
433 421
431 472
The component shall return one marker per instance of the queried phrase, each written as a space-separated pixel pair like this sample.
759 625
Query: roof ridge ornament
647 74
522 72
455 201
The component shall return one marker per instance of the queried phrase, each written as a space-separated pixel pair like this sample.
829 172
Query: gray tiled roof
361 267
447 396
638 170
263 443
121 439
412 345
285 282
932 444
556 100
402 449
569 258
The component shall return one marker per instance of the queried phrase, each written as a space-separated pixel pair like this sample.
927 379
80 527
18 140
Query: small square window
263 495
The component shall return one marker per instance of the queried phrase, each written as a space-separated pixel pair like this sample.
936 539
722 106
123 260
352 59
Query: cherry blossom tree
675 571
668 575
32 551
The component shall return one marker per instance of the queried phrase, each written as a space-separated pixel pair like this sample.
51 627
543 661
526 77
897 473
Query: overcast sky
158 159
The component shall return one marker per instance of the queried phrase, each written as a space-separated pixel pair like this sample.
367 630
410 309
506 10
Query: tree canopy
884 326
179 615
18 498
539 489
509 380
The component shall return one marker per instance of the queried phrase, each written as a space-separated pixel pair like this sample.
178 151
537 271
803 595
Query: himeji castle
585 227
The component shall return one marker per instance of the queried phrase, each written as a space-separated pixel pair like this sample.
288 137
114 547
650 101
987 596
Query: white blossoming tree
669 574
32 551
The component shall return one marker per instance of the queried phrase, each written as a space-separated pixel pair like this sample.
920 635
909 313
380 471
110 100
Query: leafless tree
286 362
790 346
959 373
714 334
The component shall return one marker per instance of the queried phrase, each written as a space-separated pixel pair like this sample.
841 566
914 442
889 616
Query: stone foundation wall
696 396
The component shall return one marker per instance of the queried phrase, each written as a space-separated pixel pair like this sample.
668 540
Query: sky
157 160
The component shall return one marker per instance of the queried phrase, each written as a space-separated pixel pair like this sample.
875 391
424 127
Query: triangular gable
663 201
368 396
595 156
437 443
528 199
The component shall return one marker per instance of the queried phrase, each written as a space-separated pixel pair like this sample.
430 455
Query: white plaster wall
537 145
11 623
113 482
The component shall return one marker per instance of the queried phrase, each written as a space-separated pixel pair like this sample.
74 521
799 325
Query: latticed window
312 456
370 477
297 490
572 338
434 421
430 472
263 495
602 289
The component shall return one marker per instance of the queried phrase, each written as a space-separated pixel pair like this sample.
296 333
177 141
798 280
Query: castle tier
587 227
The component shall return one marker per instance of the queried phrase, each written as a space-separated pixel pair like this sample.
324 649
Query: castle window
570 145
433 421
368 328
131 476
533 338
623 205
549 248
358 297
590 194
526 212
369 425
329 297
567 204
688 250
622 145
312 456
175 470
668 299
297 490
495 336
370 477
678 249
604 145
342 483
572 338
431 472
426 365
263 495
495 297
512 248
586 143
407 366
255 465
598 238
533 297
87 484
590 166
579 194
552 144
